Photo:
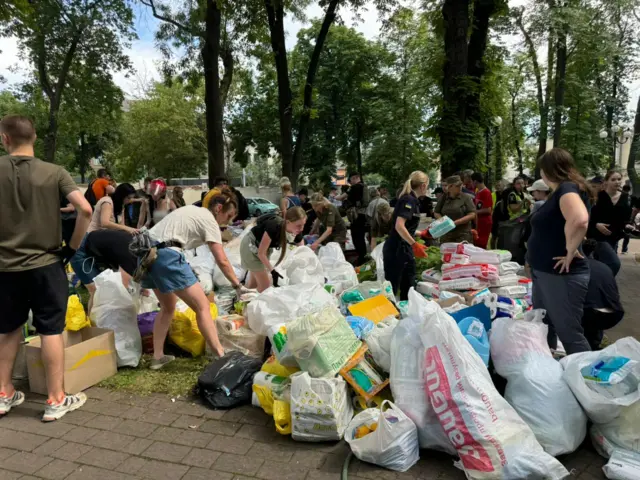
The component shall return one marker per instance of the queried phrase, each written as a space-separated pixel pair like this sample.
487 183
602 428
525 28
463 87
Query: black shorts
44 291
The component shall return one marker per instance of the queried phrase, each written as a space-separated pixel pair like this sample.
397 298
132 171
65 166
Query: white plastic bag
330 253
320 408
379 342
337 270
301 265
623 465
394 443
407 377
536 388
114 309
599 408
377 257
283 304
492 441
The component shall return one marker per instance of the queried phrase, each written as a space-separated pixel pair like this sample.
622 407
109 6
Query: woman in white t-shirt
171 277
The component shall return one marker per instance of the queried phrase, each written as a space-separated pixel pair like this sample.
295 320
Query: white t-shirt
191 226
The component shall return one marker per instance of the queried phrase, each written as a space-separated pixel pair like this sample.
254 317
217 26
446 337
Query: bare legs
162 322
262 279
53 359
196 299
9 345
91 288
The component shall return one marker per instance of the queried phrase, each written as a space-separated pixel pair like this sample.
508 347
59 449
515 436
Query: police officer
458 206
400 247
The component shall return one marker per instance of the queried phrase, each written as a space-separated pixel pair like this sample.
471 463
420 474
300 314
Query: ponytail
293 215
416 179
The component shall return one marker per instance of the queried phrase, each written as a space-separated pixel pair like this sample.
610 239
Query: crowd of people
575 228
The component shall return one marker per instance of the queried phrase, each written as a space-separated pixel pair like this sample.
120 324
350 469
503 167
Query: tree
71 41
633 153
162 136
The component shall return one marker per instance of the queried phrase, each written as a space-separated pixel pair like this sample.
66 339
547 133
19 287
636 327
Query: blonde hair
293 215
317 199
285 185
416 179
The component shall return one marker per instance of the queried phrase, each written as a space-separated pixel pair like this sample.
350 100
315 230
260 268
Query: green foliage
161 136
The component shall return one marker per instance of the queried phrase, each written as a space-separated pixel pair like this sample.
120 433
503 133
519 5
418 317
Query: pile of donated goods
393 378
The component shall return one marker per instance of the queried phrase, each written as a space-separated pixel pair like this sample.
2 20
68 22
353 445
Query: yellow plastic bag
282 417
274 367
265 397
185 334
76 318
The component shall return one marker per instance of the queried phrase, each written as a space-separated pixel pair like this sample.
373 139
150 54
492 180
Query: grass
176 379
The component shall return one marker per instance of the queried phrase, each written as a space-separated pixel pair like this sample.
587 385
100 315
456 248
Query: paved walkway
122 437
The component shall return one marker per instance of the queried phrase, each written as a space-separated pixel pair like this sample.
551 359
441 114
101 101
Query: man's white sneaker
69 404
6 403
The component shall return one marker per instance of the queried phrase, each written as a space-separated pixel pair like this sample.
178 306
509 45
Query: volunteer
484 208
159 206
329 218
105 217
271 231
400 247
355 202
100 186
178 197
516 203
540 192
458 206
32 277
609 217
219 183
164 269
559 271
289 199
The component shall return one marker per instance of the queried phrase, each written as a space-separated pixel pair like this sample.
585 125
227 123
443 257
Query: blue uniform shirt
407 207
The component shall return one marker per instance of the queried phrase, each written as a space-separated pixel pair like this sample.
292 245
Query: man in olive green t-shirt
32 276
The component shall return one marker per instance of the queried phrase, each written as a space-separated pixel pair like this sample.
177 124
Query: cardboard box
89 358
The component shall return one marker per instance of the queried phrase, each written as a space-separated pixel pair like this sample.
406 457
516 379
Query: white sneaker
69 404
6 403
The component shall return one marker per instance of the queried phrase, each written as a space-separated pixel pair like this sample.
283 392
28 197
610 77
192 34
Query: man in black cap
357 199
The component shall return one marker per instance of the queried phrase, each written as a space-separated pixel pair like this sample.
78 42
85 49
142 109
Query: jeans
625 243
606 253
562 296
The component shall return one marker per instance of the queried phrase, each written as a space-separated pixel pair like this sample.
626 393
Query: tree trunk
83 157
456 25
227 78
499 159
633 153
305 117
482 11
51 137
213 105
275 14
561 70
359 148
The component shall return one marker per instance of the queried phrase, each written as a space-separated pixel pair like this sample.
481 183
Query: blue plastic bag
360 326
475 333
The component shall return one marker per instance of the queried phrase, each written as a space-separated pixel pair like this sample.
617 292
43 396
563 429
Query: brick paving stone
243 465
104 422
7 475
196 473
132 465
71 451
78 417
6 453
106 408
157 417
166 451
220 428
111 440
271 471
194 438
95 473
194 409
320 475
260 434
165 404
135 428
235 414
333 464
238 446
25 462
34 425
136 401
166 434
138 446
188 421
57 470
80 434
103 458
20 440
134 413
243 477
157 470
199 457
271 451
50 446
213 414
256 417
308 458
99 393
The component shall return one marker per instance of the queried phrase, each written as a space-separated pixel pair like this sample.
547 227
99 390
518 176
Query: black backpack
90 195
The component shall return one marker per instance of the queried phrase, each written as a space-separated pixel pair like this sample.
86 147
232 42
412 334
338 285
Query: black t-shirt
603 289
616 216
311 217
407 207
355 195
272 225
111 249
67 215
547 238
426 205
243 206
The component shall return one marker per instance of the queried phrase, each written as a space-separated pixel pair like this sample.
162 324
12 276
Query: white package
513 291
463 248
283 304
492 441
599 408
494 257
535 383
393 445
507 280
455 258
320 408
623 465
506 268
482 271
431 275
379 342
114 309
428 288
470 283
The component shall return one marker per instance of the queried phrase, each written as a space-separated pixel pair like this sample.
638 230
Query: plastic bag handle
381 417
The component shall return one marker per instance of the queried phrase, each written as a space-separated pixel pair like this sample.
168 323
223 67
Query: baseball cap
539 186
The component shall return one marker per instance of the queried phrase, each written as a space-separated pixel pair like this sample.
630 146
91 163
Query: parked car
258 206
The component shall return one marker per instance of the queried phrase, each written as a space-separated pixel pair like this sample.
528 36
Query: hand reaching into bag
419 250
